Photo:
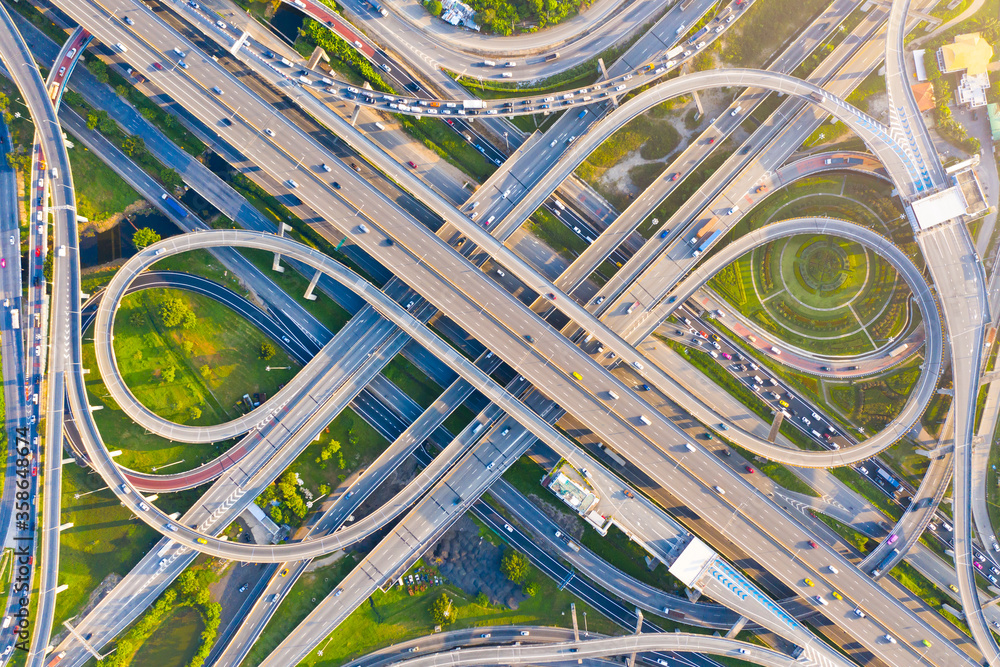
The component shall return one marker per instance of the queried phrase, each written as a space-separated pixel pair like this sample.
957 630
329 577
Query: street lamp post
77 496
276 368
166 465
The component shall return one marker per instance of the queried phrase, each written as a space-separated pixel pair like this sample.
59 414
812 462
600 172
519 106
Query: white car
325 167
268 131
637 365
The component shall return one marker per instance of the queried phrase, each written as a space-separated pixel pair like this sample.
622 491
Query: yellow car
201 540
809 582
577 376
284 572
953 587
925 643
783 403
837 595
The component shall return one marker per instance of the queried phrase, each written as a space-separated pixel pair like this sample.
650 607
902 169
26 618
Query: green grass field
174 642
413 381
555 234
103 192
105 538
360 443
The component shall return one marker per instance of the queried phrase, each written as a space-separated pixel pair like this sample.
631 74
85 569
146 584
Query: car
837 595
485 635
889 638
62 70
711 140
996 625
227 122
977 565
723 426
128 20
808 582
38 252
720 490
3 263
598 301
749 469
182 64
524 633
820 600
243 588
12 240
413 165
675 176
644 387
325 167
355 167
268 131
925 642
336 185
812 545
858 612
337 592
34 470
637 365
953 587
221 24
284 572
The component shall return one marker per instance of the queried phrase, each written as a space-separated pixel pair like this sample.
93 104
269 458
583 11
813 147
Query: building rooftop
939 207
969 52
924 93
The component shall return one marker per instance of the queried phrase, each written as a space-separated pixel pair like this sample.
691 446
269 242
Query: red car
711 140
3 263
449 121
551 296
38 251
749 469
157 66
675 176
413 165
813 545
34 471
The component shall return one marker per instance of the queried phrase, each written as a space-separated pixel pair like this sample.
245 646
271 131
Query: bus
885 562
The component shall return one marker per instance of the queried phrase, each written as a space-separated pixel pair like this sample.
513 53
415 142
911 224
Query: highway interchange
550 362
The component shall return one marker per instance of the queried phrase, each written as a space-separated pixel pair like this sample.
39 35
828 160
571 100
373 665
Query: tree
169 177
434 7
442 610
205 371
168 374
92 120
515 566
99 70
144 236
267 350
173 311
531 589
134 145
482 599
194 412
190 320
276 515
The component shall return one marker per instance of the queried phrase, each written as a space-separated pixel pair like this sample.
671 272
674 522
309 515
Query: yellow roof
969 52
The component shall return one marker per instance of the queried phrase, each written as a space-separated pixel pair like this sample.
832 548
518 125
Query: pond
287 22
116 242
174 643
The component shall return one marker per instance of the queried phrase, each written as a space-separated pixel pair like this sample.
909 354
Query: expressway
383 250
65 300
401 318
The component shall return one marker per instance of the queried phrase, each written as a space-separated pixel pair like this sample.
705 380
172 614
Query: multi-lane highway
562 371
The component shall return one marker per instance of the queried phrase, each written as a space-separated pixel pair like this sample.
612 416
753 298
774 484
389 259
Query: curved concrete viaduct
538 654
919 397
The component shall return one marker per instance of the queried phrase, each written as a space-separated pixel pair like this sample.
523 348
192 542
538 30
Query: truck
885 562
854 160
697 231
698 35
174 207
674 52
136 75
552 56
380 9
889 479
473 104
899 350
707 243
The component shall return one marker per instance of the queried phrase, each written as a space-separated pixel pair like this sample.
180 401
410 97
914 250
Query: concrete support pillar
312 285
737 626
638 631
576 628
276 265
779 417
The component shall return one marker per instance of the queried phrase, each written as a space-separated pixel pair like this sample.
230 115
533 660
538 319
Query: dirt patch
473 564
